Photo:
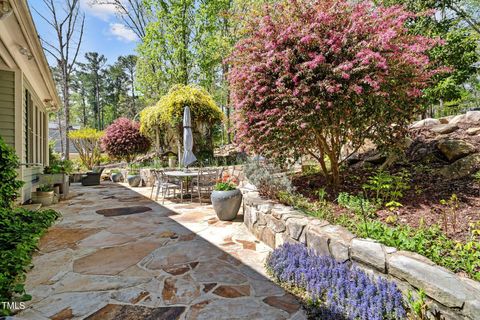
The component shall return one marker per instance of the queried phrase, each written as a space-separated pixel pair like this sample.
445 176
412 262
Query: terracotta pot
226 203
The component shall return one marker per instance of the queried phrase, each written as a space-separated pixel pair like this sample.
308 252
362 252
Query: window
29 156
35 133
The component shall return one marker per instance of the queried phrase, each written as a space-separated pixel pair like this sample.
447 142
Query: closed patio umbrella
188 156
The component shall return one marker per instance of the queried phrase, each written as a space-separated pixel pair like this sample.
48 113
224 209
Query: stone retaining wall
451 296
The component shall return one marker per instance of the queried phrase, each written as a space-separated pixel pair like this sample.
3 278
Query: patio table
183 174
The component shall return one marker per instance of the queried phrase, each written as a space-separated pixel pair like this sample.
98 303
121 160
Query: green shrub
9 184
21 230
387 187
356 204
87 143
430 242
59 166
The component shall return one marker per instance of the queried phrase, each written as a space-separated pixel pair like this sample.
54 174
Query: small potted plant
116 175
43 195
226 198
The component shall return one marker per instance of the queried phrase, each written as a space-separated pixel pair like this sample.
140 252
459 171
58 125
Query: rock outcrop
450 145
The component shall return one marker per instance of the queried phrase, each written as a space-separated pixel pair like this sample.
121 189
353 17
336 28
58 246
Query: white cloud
102 11
122 32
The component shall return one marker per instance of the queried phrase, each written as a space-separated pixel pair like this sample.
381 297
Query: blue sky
104 32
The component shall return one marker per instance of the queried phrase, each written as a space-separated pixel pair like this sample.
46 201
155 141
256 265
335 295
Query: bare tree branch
65 23
132 13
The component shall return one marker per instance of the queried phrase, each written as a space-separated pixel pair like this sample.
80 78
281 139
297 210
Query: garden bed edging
449 295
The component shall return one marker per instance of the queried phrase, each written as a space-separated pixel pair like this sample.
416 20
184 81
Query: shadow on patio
178 261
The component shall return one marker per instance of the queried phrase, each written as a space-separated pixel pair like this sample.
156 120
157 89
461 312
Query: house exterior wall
24 126
27 94
34 131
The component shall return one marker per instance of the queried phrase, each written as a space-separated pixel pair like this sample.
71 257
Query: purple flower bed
337 290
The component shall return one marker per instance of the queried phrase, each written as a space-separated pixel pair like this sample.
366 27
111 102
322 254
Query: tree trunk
60 132
133 92
84 104
66 109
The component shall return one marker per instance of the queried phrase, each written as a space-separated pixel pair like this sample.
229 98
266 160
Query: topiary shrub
87 143
311 76
336 290
123 140
9 185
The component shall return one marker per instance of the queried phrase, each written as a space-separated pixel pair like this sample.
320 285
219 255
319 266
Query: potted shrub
226 198
43 195
116 175
58 174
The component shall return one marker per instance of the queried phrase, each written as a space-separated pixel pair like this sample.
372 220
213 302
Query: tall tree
116 88
189 41
459 52
94 69
79 87
167 46
67 22
128 64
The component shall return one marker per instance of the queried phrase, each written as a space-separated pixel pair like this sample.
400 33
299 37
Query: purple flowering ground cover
336 290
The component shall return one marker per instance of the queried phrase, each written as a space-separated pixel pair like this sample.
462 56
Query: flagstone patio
116 254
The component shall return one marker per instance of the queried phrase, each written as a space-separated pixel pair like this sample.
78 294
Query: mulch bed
421 204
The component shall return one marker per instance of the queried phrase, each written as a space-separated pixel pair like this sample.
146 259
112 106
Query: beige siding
2 63
7 106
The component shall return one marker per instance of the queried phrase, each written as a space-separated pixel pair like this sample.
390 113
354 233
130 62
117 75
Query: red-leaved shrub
123 140
312 76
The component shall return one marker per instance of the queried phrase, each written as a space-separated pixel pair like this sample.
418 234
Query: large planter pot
226 203
116 177
134 180
45 198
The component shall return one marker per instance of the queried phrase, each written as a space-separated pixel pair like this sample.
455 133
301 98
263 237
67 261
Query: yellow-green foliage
85 133
87 143
168 112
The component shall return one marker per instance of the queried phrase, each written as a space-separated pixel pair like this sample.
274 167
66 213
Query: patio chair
205 181
164 184
92 178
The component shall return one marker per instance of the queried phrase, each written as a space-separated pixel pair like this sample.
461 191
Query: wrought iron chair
205 181
164 184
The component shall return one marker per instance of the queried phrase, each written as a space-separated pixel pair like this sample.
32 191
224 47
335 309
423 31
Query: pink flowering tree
123 140
312 76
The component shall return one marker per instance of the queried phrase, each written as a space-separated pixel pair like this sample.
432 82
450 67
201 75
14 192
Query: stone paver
152 261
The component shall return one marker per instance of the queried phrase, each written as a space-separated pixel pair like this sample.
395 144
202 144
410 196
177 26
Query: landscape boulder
444 128
472 116
454 149
425 123
457 119
462 168
473 131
